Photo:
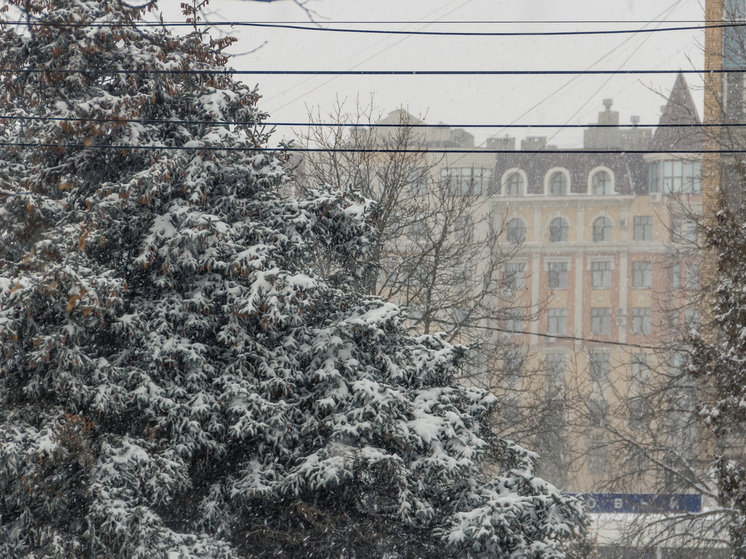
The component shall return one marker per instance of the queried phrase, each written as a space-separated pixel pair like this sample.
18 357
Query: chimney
608 117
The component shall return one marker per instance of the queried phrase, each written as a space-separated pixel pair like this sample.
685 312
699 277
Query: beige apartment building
595 293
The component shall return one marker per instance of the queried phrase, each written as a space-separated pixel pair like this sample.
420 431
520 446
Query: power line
360 125
413 73
474 22
665 13
563 337
216 72
363 150
307 27
368 58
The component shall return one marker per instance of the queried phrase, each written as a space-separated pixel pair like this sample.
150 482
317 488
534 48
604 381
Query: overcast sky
464 100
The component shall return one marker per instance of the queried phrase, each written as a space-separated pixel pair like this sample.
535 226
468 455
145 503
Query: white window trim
523 261
504 180
549 174
592 222
511 218
545 232
592 259
554 259
611 175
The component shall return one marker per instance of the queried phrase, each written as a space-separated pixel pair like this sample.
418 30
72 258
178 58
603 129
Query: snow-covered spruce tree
176 380
718 363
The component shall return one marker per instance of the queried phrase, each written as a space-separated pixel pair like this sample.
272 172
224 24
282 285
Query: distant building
599 280
596 263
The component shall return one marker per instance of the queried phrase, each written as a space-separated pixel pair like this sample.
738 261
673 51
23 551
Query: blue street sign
640 502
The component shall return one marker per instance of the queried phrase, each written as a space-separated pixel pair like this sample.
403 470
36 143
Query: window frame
606 230
518 276
599 367
557 275
642 278
557 321
507 185
513 319
559 230
642 321
691 277
601 321
607 184
550 182
604 273
510 236
645 229
463 228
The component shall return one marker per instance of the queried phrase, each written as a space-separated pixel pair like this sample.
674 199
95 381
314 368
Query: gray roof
679 109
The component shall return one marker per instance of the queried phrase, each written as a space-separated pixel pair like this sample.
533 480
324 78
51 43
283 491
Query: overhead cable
563 337
364 150
357 124
215 72
309 27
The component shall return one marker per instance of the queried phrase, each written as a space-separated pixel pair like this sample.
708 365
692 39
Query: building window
643 230
676 276
558 230
554 364
482 180
558 184
601 275
557 275
417 231
683 230
515 276
692 277
601 183
461 277
641 319
418 182
511 412
466 180
557 322
682 177
597 449
463 227
477 365
654 177
600 367
516 231
513 321
600 321
602 230
512 369
639 406
672 317
691 319
514 185
642 275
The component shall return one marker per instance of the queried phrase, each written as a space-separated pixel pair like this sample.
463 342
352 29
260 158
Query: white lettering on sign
618 503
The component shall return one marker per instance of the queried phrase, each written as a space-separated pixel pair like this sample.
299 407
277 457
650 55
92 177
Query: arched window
602 230
558 184
514 185
558 230
601 183
516 231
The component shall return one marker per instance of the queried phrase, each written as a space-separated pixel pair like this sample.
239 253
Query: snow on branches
177 380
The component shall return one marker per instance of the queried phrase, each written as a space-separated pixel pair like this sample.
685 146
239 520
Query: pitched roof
679 109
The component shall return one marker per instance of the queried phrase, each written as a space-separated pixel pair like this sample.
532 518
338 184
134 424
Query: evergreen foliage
176 379
718 362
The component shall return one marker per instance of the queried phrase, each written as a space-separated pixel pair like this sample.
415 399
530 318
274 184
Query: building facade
596 294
